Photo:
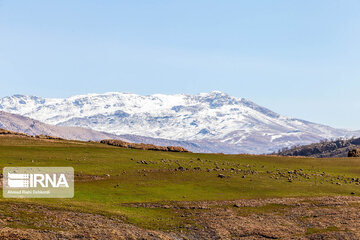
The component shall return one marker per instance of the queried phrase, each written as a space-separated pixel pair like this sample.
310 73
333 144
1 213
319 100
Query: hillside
324 149
215 121
18 123
182 195
111 142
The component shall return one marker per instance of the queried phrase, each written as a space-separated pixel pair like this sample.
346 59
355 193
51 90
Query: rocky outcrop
143 146
354 153
41 136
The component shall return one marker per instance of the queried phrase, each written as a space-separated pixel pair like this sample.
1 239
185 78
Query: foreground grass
107 178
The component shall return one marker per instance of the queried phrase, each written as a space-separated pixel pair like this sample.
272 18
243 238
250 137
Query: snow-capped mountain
214 119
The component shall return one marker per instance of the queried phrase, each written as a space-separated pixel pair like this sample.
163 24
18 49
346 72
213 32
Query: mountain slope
215 120
18 123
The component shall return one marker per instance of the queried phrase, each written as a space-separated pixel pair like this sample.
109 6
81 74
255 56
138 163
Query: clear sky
299 58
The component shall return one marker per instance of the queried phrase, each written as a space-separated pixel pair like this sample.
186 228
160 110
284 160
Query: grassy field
108 178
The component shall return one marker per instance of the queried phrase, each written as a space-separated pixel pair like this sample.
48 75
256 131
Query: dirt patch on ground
275 218
28 221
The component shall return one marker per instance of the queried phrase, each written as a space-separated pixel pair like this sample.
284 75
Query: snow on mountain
21 124
214 119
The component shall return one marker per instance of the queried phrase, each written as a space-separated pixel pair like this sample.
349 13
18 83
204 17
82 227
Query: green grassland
109 178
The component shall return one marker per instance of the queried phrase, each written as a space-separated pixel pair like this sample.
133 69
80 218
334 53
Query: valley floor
136 194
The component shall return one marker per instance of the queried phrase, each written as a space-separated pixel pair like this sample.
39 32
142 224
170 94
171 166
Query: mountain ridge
211 119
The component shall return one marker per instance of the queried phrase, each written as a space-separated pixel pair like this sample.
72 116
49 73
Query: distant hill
324 149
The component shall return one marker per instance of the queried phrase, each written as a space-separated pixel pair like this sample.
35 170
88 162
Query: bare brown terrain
275 218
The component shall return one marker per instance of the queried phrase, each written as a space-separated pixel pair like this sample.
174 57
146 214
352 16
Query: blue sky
298 58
